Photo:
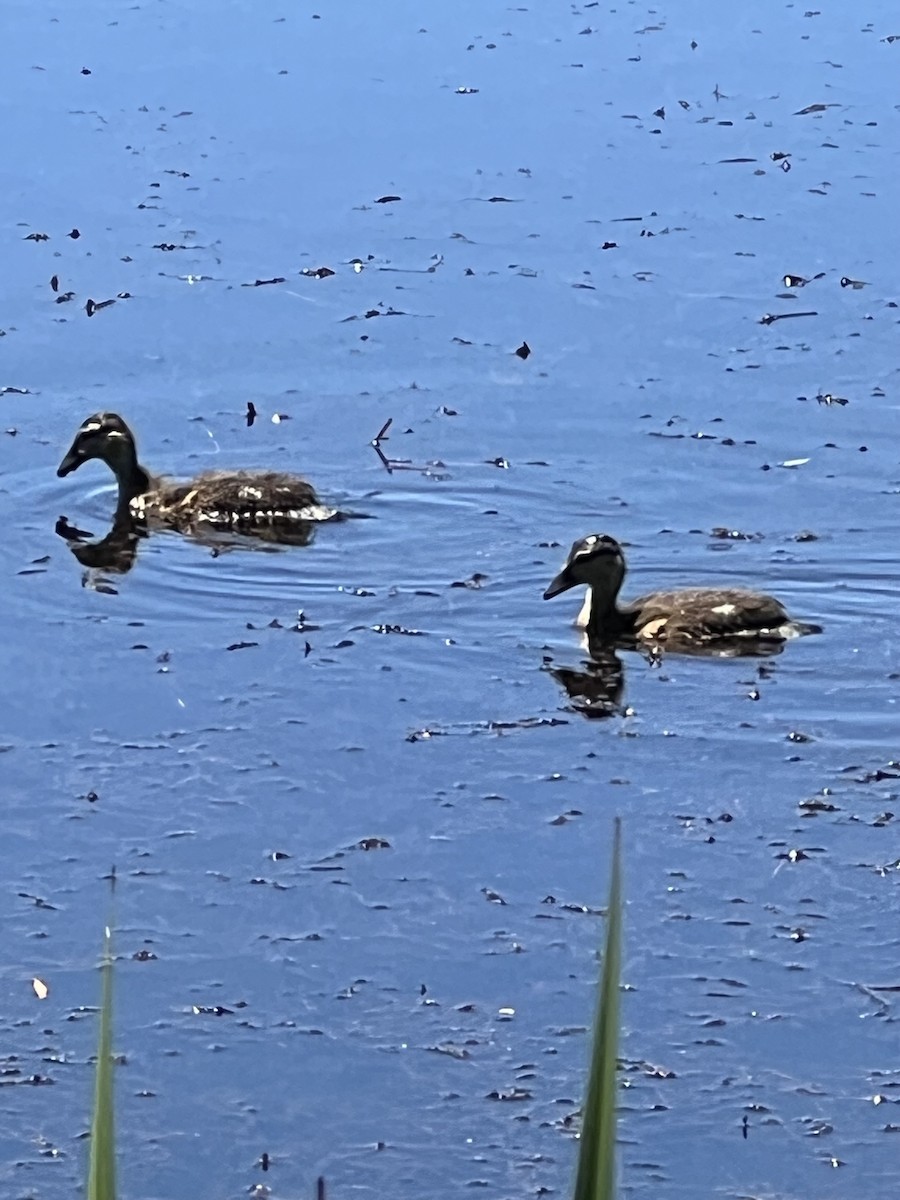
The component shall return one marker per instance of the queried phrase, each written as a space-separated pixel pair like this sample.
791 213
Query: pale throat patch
585 615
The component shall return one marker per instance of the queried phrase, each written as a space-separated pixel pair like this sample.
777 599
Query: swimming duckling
262 503
689 620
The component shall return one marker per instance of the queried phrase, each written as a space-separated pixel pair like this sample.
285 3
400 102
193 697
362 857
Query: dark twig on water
771 318
376 441
401 464
382 432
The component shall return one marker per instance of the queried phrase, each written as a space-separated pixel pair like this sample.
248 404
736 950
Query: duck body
256 502
230 500
689 620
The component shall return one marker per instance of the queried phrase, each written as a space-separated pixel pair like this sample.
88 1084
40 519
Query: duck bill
561 583
70 463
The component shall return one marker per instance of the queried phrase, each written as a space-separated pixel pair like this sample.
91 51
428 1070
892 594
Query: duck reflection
596 687
117 552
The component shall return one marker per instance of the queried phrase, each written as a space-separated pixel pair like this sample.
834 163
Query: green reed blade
102 1163
596 1174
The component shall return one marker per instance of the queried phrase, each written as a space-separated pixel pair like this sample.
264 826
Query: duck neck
601 615
133 479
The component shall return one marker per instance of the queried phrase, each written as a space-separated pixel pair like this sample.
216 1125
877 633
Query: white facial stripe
115 433
590 551
90 427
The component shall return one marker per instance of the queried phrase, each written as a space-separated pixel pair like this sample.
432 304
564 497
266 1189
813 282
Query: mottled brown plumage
263 503
688 619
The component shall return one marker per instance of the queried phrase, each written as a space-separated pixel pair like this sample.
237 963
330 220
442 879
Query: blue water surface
360 829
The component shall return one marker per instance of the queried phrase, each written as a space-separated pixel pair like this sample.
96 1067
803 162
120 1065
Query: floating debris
513 1093
797 281
771 318
828 400
93 306
734 535
458 1052
381 435
814 108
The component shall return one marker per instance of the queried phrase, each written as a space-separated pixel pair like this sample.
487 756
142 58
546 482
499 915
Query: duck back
232 500
701 614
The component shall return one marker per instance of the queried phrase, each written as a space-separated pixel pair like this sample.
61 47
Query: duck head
595 561
105 436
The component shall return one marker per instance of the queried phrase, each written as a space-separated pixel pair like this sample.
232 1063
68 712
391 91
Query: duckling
711 620
264 503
